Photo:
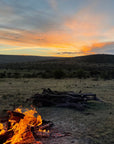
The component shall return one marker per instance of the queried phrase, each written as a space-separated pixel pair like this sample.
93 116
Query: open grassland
93 126
92 66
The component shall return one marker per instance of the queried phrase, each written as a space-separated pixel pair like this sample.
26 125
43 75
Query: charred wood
69 99
15 116
5 136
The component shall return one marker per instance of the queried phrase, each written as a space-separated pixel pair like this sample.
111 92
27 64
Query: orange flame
2 130
22 129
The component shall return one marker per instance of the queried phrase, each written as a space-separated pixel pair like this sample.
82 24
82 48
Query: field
92 66
95 125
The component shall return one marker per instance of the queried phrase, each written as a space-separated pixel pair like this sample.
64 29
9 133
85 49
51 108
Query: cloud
107 48
109 34
86 24
31 15
61 43
102 47
68 53
20 37
95 48
53 4
65 29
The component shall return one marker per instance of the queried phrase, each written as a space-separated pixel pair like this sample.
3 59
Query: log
38 134
15 116
68 99
30 134
5 136
4 119
45 125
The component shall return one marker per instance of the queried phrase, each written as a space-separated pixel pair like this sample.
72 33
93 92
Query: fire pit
27 127
23 127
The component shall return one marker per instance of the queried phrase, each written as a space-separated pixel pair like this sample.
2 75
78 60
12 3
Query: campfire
27 127
23 127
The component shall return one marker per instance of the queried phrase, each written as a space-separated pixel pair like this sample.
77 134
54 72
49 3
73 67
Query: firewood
5 136
58 135
31 133
15 116
38 142
4 119
46 126
63 99
39 134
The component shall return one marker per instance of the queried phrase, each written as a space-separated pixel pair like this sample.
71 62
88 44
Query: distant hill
98 58
21 59
90 59
100 65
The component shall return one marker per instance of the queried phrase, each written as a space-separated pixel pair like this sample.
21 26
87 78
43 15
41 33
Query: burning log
63 99
41 134
23 128
45 125
5 136
4 119
16 116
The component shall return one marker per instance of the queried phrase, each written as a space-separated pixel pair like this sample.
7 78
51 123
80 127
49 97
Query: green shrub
58 74
81 73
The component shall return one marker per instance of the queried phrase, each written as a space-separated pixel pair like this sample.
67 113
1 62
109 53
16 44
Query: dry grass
93 126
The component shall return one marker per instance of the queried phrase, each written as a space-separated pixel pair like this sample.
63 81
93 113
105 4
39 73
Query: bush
105 75
2 75
58 74
81 74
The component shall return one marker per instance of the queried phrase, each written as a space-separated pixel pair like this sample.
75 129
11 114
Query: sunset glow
56 27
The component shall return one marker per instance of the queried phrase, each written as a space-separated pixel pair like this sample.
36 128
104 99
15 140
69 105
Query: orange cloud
85 24
63 33
60 44
80 35
88 49
109 34
25 38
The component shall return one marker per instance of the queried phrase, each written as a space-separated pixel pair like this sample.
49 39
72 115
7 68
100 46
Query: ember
23 128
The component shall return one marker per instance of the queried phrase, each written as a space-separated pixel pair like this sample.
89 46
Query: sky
62 28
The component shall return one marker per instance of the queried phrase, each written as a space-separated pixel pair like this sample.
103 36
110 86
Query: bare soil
95 125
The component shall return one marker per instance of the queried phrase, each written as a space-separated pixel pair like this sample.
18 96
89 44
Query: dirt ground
95 125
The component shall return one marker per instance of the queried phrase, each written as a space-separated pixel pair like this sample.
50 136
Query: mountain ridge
96 58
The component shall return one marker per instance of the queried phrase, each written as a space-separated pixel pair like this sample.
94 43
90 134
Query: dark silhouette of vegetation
58 74
81 73
95 66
